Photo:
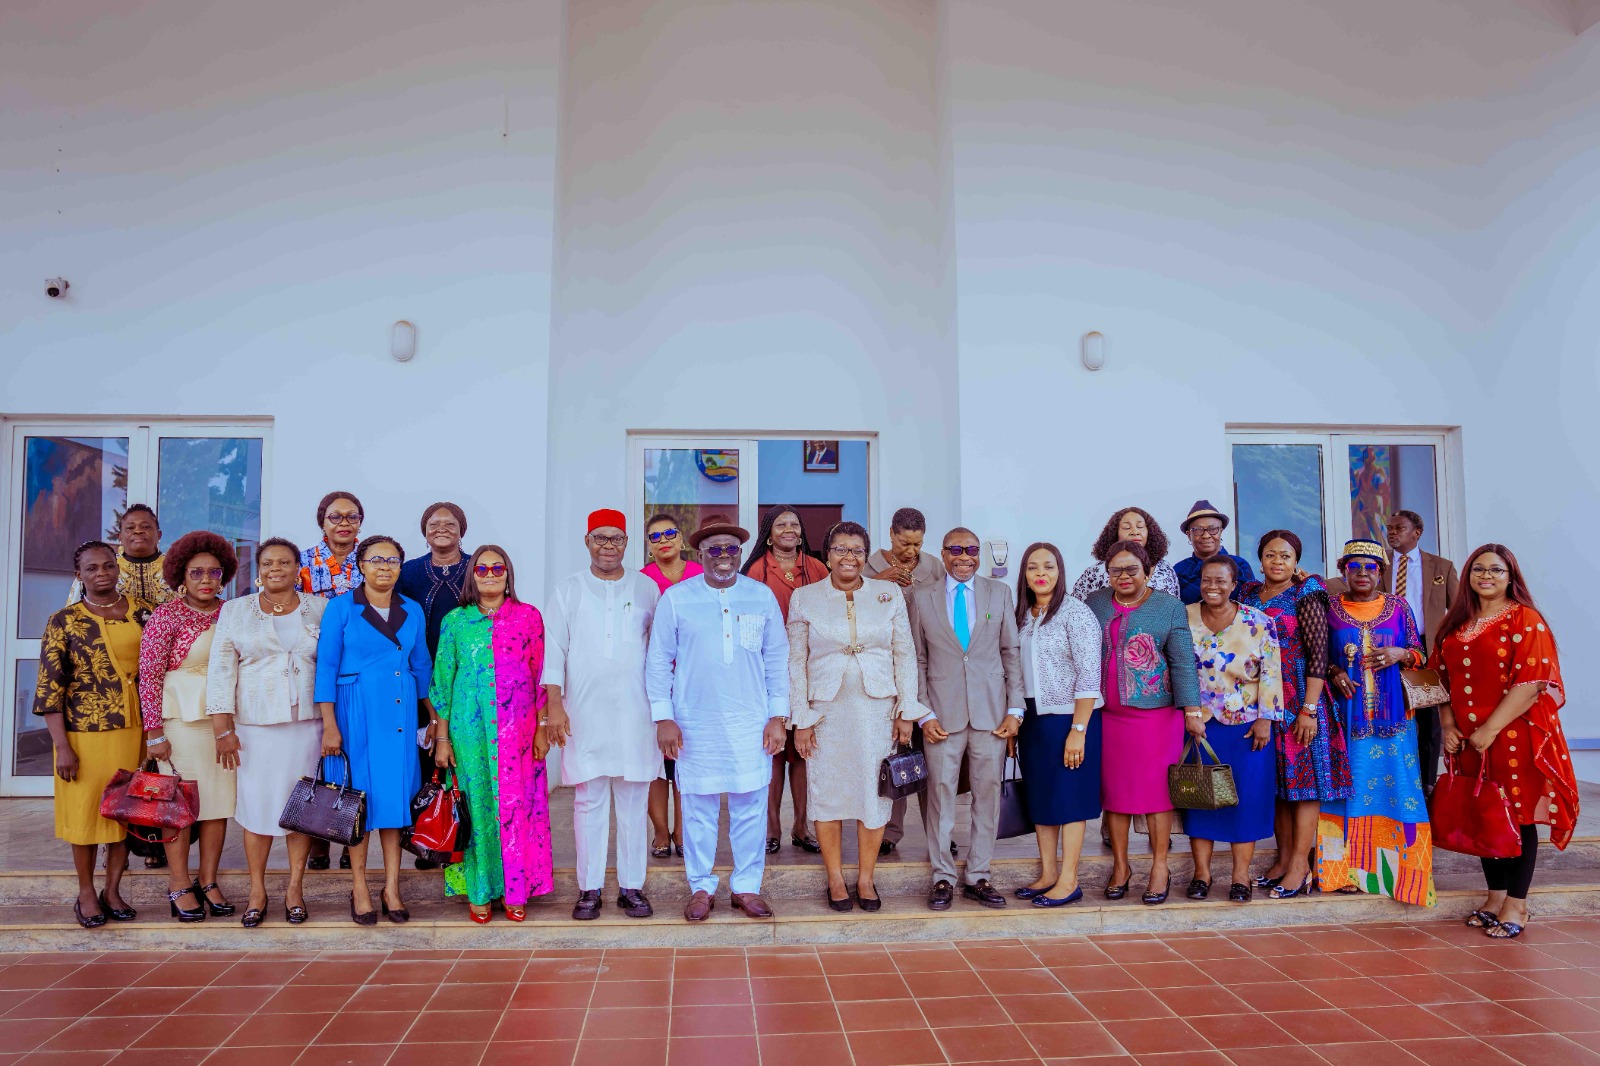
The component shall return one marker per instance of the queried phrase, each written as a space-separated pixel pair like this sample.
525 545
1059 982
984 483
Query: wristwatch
1076 728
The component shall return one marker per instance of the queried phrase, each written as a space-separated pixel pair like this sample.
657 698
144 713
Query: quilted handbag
319 808
903 773
1195 786
1013 820
148 801
1424 688
1466 816
441 825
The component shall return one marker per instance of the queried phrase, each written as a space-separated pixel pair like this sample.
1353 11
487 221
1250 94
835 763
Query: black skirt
1057 795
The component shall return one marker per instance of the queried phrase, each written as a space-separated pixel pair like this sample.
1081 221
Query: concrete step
665 882
444 924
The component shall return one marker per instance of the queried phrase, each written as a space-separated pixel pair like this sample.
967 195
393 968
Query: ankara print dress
486 686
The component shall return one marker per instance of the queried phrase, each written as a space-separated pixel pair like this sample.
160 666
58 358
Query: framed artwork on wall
820 457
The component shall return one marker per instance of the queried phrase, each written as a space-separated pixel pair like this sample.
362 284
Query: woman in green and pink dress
486 689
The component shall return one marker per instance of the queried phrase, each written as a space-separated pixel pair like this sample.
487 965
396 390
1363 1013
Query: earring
182 591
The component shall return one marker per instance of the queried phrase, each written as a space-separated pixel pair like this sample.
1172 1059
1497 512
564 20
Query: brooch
884 597
1438 579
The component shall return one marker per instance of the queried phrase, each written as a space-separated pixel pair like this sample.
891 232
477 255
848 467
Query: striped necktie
1400 576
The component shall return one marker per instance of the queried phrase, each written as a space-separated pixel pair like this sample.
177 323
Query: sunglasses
718 552
497 569
663 534
1361 564
198 573
968 549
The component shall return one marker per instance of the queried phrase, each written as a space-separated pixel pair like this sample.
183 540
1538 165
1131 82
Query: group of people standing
667 689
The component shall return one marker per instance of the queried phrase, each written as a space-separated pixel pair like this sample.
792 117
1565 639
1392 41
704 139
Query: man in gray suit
970 673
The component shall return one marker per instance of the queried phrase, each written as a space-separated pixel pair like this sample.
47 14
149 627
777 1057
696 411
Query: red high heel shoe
516 914
481 919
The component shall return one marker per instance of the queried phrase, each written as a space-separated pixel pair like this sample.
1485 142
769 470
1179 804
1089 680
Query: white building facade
1340 258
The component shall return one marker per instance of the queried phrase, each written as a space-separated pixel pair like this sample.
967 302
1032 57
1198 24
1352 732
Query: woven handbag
319 808
1465 816
1198 787
152 801
1424 688
903 774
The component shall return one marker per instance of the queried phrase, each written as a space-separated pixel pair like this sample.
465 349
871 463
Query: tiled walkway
1372 995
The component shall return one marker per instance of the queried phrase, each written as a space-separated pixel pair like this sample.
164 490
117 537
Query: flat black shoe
587 909
1028 893
196 915
1241 893
772 845
218 910
254 916
93 921
399 916
1119 891
840 905
344 860
885 848
807 844
985 893
871 906
126 914
367 918
632 902
295 915
317 862
941 897
1199 889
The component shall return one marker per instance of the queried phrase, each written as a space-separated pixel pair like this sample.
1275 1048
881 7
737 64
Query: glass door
689 478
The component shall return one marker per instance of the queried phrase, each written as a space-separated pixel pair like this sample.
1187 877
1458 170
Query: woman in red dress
1498 659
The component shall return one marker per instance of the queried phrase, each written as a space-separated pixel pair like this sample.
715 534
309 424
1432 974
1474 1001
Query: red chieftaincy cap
607 517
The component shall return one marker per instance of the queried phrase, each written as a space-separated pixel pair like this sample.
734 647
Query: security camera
55 288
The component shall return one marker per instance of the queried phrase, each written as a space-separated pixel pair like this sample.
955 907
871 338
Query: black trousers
1429 745
1514 876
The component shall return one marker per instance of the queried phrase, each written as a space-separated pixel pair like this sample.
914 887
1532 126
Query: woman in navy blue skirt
1059 746
1241 695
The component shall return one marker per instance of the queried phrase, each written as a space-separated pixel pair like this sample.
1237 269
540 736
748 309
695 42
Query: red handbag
441 826
1468 817
146 797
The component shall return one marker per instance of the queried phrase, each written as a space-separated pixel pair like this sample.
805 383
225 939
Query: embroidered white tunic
595 638
719 667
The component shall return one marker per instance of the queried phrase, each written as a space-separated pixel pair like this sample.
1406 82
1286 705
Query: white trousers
591 824
747 833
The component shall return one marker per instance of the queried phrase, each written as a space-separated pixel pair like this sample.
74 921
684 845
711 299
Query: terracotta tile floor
1370 995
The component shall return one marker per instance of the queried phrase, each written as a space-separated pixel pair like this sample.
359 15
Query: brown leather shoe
752 904
699 907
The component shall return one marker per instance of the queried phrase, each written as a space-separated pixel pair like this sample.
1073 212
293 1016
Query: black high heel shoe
871 906
196 915
399 916
1119 891
218 910
361 918
1280 892
1263 881
295 915
123 914
1153 899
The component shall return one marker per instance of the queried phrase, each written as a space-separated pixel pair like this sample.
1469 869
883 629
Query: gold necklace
1132 603
280 608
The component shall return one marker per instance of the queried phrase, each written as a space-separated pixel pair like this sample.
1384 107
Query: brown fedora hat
716 525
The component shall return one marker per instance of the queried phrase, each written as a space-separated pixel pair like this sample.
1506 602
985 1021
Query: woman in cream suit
263 666
852 693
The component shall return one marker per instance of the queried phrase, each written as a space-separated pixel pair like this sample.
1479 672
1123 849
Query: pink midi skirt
1136 748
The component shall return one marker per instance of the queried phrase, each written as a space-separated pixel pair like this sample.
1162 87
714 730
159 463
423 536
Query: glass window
31 753
212 483
74 489
1385 478
688 484
1279 486
823 493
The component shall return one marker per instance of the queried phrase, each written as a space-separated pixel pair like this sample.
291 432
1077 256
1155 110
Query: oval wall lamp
403 341
1092 349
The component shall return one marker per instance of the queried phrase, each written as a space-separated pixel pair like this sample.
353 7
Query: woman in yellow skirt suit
89 699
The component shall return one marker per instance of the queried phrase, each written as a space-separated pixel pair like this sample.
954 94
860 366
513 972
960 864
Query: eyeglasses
389 561
497 569
1124 571
960 549
842 552
663 534
1205 531
1361 564
1489 571
334 518
604 540
718 551
197 573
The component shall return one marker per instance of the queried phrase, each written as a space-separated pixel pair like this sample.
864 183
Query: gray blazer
971 689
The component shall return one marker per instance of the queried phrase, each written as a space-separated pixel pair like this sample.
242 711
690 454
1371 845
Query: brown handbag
1424 688
1196 786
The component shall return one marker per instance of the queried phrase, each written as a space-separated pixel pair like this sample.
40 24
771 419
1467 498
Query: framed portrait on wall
820 457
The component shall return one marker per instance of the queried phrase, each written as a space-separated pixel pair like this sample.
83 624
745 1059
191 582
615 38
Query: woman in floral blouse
1241 696
1148 674
87 694
486 691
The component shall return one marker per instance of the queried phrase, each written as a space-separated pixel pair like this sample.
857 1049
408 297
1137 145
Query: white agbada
596 635
719 667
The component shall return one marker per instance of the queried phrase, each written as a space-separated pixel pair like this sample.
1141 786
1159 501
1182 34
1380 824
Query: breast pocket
751 627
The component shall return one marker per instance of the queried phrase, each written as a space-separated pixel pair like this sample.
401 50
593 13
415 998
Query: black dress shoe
367 918
1119 891
1240 893
90 921
807 844
840 905
399 916
772 845
953 852
295 915
186 916
871 906
885 848
218 910
344 859
1198 889
631 901
317 862
942 896
253 916
124 914
587 909
985 893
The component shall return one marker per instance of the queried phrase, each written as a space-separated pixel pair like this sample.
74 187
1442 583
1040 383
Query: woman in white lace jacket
260 681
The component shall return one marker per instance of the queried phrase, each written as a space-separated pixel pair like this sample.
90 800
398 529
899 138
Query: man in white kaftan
718 678
597 630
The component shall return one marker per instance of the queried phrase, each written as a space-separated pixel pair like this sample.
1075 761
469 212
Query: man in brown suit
1427 583
970 678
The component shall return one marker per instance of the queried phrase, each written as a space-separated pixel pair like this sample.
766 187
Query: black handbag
319 808
903 773
1013 820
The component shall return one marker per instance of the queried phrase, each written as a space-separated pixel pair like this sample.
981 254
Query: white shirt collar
950 583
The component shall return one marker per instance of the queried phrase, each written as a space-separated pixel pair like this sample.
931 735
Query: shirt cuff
1014 712
778 707
1087 694
925 719
661 711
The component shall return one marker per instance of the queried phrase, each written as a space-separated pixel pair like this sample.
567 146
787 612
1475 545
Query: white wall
244 197
1276 213
750 239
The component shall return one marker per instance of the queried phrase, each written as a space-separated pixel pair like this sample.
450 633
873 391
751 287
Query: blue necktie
963 627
